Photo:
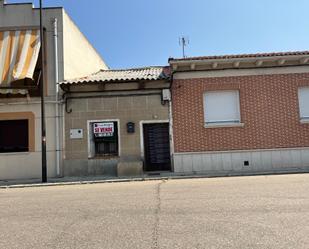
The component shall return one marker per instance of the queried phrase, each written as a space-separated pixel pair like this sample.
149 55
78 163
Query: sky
137 33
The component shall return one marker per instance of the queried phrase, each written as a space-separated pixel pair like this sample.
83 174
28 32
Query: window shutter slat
221 106
303 94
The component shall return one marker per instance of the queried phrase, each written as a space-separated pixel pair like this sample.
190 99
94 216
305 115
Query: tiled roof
240 56
134 74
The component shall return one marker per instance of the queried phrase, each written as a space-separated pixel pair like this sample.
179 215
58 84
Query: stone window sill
224 125
15 153
104 157
304 121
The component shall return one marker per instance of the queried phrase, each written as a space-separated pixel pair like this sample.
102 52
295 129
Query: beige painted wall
73 46
24 15
126 109
28 165
240 72
80 57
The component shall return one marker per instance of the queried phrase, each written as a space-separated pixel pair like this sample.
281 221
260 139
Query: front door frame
141 126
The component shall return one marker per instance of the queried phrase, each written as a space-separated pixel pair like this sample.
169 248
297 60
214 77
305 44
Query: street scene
236 212
154 124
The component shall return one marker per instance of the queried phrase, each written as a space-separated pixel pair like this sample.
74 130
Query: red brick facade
268 106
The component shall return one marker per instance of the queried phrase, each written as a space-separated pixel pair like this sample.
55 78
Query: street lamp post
43 123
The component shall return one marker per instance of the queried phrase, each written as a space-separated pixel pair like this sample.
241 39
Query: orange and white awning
19 51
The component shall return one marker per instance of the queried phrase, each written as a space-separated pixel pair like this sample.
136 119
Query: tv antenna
183 42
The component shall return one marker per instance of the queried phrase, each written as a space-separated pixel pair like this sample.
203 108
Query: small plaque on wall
130 127
76 133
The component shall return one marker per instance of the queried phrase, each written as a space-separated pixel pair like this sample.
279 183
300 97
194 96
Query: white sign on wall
76 133
105 129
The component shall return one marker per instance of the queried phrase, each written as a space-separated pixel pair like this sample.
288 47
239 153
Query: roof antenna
183 42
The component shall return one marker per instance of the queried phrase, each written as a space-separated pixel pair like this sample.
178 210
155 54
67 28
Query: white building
20 120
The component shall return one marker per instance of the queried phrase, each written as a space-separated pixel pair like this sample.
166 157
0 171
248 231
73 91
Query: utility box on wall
130 127
76 133
166 95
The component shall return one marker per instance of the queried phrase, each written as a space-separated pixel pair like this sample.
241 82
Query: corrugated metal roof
122 75
239 56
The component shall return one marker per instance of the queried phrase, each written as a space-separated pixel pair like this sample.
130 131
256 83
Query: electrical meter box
130 127
76 133
166 95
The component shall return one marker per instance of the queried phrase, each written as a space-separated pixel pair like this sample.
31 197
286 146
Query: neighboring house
233 114
117 122
20 121
241 113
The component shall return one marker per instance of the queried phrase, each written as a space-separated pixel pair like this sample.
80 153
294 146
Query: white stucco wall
80 57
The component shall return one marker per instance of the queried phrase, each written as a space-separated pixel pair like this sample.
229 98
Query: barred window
105 138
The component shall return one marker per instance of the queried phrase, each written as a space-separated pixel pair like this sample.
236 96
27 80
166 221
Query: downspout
55 35
171 131
170 112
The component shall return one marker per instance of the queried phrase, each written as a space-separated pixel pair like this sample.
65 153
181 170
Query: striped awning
19 51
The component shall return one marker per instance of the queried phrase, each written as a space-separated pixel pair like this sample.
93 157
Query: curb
85 182
33 185
141 179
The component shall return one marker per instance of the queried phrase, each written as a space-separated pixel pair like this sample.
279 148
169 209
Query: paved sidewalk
69 181
62 181
36 182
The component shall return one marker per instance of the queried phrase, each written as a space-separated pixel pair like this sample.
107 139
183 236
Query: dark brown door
157 147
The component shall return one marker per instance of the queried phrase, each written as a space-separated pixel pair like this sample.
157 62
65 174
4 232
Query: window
303 97
221 107
104 140
14 136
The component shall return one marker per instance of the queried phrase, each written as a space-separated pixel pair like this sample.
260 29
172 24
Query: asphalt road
236 212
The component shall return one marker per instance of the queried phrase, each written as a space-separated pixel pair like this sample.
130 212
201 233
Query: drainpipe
55 35
171 131
170 114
